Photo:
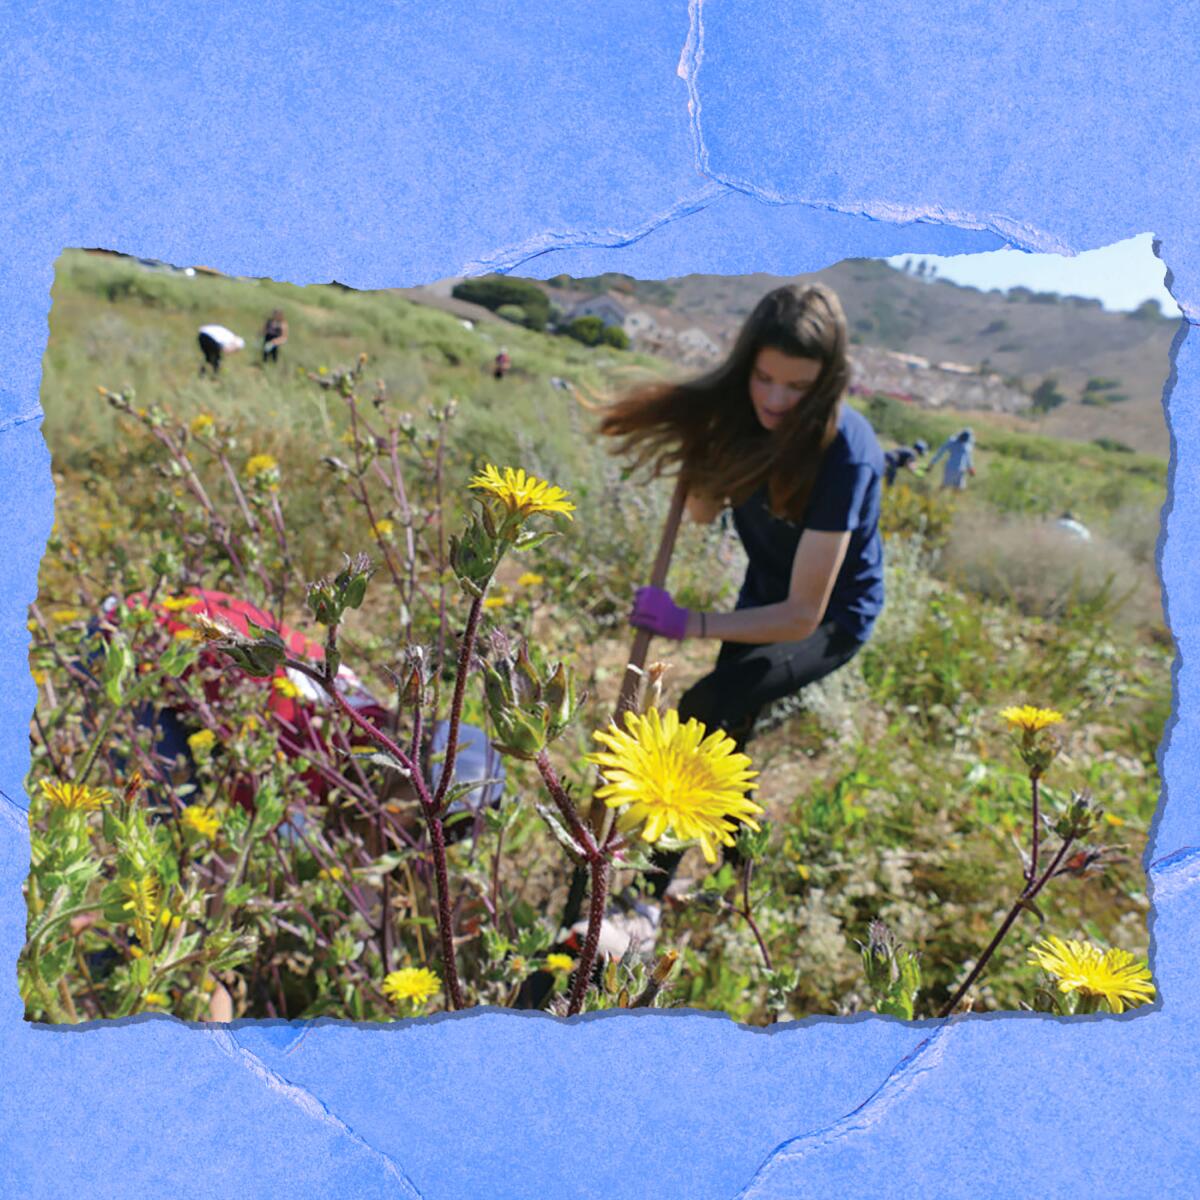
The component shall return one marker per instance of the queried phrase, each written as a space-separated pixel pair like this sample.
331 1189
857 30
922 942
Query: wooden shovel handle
658 578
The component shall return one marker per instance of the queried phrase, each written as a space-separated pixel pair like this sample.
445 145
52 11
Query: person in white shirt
215 341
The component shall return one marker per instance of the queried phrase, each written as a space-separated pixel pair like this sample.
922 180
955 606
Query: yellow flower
331 873
259 464
143 899
411 983
156 999
530 579
39 677
521 493
202 819
1031 719
186 635
496 601
668 775
73 795
1113 819
201 741
1114 976
201 425
65 614
179 603
560 964
382 528
168 919
285 687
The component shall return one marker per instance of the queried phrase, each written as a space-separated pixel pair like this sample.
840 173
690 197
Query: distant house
640 324
953 368
696 344
606 306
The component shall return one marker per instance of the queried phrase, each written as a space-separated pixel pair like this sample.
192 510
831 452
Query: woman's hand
655 611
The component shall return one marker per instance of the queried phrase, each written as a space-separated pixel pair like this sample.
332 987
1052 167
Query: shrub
495 291
513 312
588 330
1040 569
616 337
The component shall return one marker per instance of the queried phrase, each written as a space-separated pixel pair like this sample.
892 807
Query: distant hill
1021 335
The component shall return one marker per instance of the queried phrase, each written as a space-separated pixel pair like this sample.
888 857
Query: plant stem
456 704
598 866
1027 894
1033 853
747 913
438 838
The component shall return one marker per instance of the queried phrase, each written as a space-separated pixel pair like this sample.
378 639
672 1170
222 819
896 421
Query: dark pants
743 682
270 353
211 349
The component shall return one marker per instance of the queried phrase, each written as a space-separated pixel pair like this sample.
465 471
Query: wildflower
382 528
285 687
76 796
63 615
1113 819
201 425
169 920
530 579
202 819
156 999
143 899
202 741
331 873
522 494
1031 719
496 601
186 634
179 603
39 677
668 775
259 464
1113 976
560 964
411 983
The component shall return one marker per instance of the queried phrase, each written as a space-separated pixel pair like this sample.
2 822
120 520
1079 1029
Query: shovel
601 816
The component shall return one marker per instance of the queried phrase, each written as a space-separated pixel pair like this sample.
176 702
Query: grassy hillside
893 792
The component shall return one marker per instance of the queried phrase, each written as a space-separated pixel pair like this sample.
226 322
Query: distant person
502 363
1074 527
959 452
902 458
274 334
216 341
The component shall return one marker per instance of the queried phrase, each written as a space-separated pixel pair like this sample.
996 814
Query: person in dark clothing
215 342
274 334
501 364
768 434
902 458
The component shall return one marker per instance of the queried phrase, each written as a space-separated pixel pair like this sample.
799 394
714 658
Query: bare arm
703 509
815 568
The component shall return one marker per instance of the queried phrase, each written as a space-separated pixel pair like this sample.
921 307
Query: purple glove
653 609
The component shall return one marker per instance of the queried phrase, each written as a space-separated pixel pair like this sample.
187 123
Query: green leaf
54 963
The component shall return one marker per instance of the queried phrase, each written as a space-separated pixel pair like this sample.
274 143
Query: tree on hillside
1148 310
493 291
1047 395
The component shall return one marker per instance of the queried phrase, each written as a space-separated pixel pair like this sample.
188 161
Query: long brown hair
707 427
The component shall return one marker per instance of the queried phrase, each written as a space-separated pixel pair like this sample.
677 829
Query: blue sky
1120 276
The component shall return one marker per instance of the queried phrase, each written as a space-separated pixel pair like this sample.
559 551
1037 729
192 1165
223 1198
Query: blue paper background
390 144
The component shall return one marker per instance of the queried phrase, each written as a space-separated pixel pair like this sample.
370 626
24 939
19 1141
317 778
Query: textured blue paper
394 144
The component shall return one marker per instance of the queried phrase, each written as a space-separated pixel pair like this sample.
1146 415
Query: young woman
767 433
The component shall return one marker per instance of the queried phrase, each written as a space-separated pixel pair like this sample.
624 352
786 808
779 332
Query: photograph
776 647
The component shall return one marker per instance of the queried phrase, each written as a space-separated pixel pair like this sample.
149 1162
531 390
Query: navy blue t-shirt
844 496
